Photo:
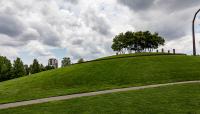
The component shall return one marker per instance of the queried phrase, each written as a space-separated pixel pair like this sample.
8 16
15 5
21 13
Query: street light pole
193 33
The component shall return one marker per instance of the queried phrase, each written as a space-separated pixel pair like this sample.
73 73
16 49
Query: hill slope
176 99
100 75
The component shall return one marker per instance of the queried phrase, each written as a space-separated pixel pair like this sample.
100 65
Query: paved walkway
44 100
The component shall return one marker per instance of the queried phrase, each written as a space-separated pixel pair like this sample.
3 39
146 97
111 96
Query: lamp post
193 32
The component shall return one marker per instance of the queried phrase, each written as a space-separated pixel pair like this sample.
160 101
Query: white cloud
37 49
183 45
86 28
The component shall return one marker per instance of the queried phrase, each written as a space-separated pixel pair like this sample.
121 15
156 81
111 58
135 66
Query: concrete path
44 100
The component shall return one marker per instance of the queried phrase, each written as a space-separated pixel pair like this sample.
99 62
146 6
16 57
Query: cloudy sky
85 28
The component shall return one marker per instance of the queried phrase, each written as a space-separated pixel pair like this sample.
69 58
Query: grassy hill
100 75
176 99
136 55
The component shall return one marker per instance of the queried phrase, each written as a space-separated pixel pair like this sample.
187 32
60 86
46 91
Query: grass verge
176 99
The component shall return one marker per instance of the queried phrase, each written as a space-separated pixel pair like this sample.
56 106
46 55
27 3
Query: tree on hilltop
81 60
137 41
66 62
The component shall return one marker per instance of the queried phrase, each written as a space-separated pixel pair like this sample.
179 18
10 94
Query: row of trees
67 61
18 69
137 41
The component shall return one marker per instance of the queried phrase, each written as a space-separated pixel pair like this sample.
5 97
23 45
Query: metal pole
193 32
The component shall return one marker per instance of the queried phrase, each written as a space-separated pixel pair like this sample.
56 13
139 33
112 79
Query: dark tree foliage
18 69
30 70
137 41
27 69
9 71
81 60
5 69
118 43
42 68
35 67
49 67
66 61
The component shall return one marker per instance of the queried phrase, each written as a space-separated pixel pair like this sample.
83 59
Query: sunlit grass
177 99
101 75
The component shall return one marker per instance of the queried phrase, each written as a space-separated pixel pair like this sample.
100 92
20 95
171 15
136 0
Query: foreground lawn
100 75
177 99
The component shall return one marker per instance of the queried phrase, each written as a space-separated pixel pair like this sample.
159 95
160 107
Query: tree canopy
5 69
137 41
35 67
66 61
81 60
18 68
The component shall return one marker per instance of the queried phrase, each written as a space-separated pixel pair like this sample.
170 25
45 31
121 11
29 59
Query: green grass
177 99
137 55
100 75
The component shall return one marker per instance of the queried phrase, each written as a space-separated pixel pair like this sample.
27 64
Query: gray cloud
51 40
169 32
97 23
138 5
86 28
10 25
29 34
9 41
171 18
47 35
165 5
77 42
13 44
177 5
72 1
43 53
